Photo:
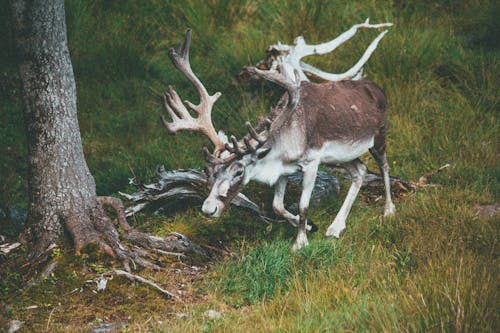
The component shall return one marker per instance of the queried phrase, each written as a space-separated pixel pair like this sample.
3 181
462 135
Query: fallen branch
40 268
169 188
8 247
190 186
422 181
138 278
174 242
102 280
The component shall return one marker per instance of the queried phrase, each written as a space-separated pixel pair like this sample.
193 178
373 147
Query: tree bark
61 188
62 192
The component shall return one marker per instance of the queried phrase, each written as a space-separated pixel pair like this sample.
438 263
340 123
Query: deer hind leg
358 171
310 173
381 159
279 206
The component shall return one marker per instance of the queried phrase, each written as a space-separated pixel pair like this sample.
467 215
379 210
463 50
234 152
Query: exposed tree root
132 248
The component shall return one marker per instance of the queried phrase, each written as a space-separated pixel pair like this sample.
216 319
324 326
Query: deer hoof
335 231
390 210
311 227
300 242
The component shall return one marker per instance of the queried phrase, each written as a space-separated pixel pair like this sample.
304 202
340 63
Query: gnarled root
100 230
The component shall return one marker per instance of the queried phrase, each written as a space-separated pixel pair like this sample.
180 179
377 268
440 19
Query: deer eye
263 153
238 173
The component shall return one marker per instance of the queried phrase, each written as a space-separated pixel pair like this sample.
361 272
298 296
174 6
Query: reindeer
333 123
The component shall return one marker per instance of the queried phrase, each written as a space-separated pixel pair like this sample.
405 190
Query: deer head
226 177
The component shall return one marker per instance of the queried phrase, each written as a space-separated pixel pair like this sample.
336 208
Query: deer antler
175 108
291 55
183 120
251 142
354 72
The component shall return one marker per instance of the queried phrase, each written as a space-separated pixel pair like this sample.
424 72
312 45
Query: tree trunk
62 192
61 187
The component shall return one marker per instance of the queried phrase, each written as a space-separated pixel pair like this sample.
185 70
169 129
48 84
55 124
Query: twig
47 270
41 257
422 181
48 320
167 253
6 248
138 278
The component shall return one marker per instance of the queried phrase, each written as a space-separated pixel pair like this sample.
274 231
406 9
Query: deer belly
341 152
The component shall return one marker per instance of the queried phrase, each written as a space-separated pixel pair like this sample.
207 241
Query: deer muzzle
212 207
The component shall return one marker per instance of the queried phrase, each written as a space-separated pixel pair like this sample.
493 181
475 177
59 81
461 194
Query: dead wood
8 247
138 278
169 188
422 181
172 189
102 280
174 243
47 269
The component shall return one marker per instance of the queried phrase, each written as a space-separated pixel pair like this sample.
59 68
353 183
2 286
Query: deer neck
267 170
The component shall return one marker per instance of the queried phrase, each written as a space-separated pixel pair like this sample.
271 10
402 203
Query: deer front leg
358 171
279 206
278 202
307 187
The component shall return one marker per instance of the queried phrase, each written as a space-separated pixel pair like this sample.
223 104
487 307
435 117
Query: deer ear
261 153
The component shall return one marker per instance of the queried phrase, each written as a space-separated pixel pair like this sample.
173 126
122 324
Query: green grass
433 267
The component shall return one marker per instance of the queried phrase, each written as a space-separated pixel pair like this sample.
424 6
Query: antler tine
268 122
235 149
175 108
213 159
209 157
256 136
249 146
302 49
239 148
293 54
352 72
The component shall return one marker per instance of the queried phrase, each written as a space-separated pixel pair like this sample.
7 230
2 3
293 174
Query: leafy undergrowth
434 267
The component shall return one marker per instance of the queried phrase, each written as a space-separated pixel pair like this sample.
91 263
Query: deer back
344 112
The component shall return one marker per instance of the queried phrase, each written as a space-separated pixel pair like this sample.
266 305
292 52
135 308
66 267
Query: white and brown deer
332 123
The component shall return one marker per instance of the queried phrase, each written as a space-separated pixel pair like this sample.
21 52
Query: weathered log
169 188
173 188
